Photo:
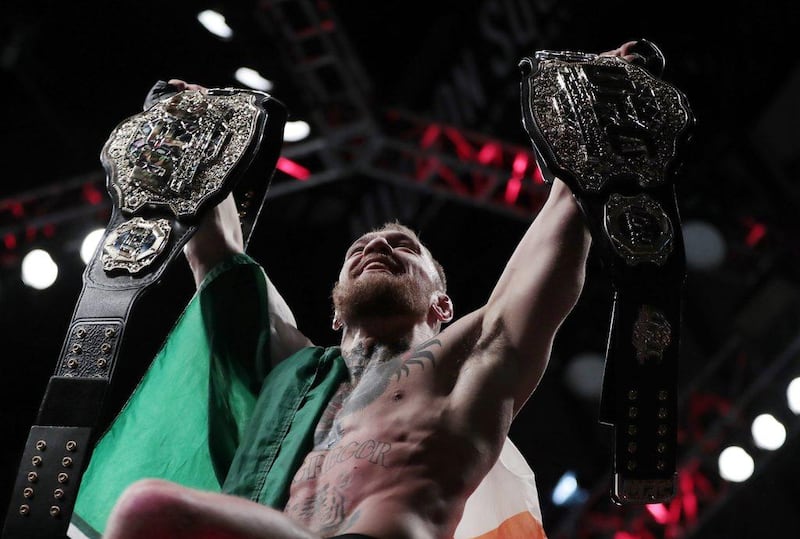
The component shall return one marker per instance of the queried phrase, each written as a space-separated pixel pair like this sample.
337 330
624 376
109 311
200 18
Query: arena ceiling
71 72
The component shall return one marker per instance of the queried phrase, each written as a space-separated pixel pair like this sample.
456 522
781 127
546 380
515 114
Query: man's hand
623 51
182 85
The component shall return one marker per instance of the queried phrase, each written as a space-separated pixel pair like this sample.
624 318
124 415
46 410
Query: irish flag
506 504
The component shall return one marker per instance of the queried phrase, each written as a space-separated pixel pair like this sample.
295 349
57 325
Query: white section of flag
506 493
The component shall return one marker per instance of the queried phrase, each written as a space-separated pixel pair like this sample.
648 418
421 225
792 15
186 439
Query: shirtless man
424 413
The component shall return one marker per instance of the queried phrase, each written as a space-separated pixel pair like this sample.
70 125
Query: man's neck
362 346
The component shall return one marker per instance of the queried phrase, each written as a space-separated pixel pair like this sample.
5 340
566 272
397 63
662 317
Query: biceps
285 338
500 376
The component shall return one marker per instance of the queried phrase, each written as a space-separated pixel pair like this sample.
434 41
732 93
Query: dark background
71 71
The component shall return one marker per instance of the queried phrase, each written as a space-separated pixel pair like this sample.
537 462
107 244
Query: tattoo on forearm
418 356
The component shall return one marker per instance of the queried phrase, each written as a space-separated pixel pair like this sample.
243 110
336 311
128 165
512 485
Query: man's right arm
218 237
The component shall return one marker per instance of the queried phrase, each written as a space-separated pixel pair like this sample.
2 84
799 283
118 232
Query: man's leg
155 509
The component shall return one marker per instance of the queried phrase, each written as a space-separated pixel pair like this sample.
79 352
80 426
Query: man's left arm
538 288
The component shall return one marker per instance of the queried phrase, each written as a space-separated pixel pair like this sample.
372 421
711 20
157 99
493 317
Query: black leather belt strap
165 168
612 132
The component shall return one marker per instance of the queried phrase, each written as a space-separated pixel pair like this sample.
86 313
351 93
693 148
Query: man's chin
377 293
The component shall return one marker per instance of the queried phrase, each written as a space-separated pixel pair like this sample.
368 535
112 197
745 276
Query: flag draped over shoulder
196 418
184 420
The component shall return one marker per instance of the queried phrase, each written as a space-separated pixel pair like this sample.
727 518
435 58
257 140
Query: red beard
379 294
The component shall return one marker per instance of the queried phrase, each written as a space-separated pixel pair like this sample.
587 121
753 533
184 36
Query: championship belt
165 168
612 131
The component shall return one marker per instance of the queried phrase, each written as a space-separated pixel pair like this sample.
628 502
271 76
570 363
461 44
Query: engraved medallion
177 153
652 334
639 229
600 120
135 244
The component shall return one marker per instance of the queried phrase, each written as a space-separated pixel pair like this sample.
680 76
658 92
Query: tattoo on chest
377 376
317 464
328 430
418 357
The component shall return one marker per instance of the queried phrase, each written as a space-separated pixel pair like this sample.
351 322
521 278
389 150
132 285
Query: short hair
397 226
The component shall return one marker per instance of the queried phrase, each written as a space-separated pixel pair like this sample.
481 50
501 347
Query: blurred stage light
793 396
705 246
297 130
768 432
253 79
735 464
215 23
39 271
89 244
567 491
584 375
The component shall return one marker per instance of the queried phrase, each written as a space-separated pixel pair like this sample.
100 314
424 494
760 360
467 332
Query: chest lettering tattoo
373 451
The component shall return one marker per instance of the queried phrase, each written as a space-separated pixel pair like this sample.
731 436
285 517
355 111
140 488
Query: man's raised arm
538 288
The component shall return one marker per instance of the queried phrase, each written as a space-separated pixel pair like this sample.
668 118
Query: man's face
385 273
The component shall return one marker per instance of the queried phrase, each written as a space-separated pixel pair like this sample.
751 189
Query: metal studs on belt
72 445
55 511
24 510
66 462
27 492
62 478
80 332
41 445
58 494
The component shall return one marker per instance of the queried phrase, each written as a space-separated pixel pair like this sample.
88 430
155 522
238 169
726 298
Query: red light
513 188
293 169
520 164
659 512
10 241
30 233
755 234
489 153
17 210
48 230
514 185
430 135
92 194
463 148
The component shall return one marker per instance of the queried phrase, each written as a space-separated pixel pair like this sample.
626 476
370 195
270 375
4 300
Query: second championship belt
612 130
166 167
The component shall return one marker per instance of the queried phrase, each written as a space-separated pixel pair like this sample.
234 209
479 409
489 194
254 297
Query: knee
150 508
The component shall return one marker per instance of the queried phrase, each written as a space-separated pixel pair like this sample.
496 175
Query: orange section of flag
521 526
